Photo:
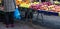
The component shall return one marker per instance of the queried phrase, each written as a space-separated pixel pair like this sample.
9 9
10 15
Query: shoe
7 26
3 23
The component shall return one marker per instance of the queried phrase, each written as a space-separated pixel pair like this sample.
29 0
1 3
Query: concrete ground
23 26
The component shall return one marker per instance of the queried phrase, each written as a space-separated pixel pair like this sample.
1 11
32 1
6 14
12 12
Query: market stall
50 15
46 10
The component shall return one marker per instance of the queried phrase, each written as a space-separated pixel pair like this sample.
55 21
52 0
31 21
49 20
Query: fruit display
46 6
41 6
51 7
36 3
24 5
34 6
18 2
54 8
27 5
47 3
27 1
57 8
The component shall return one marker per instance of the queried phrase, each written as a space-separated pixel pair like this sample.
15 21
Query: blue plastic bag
17 14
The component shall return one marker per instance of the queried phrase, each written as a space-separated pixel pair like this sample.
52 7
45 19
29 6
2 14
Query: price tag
59 13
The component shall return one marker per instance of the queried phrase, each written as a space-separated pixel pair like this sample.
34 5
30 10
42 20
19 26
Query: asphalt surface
22 25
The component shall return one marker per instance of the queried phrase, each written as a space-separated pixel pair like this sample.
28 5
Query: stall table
42 12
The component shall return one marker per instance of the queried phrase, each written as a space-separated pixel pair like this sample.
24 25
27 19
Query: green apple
22 5
36 2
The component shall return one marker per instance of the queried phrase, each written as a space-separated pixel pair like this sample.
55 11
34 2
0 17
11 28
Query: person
9 8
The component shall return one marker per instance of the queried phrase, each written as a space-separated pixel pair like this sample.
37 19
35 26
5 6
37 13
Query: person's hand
1 8
16 6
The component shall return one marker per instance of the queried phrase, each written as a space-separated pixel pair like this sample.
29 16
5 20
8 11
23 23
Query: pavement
23 26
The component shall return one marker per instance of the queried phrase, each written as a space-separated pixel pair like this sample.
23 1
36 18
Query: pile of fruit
56 9
28 5
25 5
51 8
18 2
46 6
41 6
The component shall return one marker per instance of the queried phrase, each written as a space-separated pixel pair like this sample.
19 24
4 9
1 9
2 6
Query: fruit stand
47 10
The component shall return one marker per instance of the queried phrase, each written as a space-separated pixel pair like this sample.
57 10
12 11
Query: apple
36 2
22 5
47 3
27 5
